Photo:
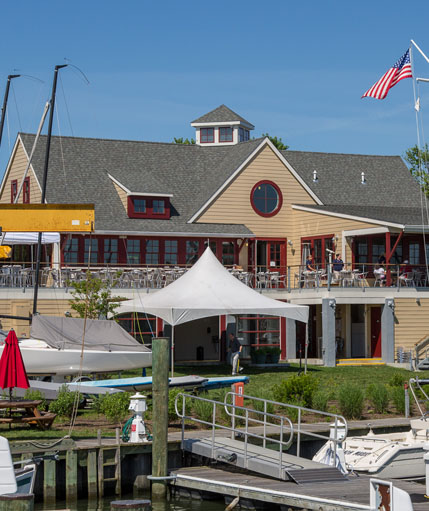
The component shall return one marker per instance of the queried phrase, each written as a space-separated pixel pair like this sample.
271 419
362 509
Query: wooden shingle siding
122 195
17 169
233 205
411 322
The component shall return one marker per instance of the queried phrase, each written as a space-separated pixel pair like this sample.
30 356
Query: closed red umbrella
12 369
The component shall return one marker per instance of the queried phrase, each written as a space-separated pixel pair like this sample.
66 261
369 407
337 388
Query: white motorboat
391 455
55 347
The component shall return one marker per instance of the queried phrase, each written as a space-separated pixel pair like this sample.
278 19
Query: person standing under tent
235 347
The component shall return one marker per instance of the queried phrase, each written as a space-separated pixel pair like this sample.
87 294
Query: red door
375 331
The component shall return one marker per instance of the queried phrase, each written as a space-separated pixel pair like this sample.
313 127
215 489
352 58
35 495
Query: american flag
399 71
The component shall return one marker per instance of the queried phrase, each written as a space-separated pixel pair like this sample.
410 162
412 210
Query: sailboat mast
6 96
45 177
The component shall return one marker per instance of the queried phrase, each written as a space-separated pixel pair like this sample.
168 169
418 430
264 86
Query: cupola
221 127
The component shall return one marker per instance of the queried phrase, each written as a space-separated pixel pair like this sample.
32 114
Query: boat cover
68 333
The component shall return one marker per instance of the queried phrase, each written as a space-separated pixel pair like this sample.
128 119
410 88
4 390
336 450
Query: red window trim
26 191
322 237
149 207
13 192
279 205
207 142
232 134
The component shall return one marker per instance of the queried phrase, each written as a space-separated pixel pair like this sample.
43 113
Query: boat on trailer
55 347
392 455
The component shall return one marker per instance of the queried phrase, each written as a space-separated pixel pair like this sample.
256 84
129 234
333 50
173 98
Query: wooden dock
350 495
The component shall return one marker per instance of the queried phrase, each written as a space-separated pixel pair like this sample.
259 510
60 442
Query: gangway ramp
247 446
257 459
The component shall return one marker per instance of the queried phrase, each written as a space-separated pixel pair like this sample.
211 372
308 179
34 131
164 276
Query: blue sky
294 69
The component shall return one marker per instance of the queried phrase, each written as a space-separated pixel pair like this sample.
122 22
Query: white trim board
139 194
348 217
176 234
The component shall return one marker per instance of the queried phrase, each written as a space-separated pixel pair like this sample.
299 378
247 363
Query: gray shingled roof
398 214
222 114
388 181
79 168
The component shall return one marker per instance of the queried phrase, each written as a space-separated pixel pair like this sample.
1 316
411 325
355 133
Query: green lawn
261 383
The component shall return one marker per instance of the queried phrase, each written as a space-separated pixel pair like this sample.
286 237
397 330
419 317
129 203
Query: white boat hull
46 360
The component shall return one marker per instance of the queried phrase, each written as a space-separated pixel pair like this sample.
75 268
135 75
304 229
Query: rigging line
83 75
8 129
66 105
16 105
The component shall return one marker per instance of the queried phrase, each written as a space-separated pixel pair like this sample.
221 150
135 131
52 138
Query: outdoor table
26 412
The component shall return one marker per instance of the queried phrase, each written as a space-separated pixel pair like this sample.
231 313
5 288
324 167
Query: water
173 504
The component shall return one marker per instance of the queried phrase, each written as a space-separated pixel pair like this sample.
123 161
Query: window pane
192 248
170 249
71 251
110 250
91 250
133 251
207 134
225 134
228 253
152 251
414 253
265 198
158 206
377 249
139 205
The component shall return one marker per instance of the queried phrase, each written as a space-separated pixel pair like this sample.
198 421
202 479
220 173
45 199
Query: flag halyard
400 70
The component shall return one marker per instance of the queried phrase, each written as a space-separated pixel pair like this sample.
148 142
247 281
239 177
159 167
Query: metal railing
339 420
252 417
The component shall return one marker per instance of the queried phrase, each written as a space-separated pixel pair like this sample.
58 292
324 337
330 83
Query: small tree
92 298
278 142
418 163
184 141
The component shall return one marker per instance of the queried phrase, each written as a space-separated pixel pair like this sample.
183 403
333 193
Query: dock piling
71 475
49 481
160 348
92 473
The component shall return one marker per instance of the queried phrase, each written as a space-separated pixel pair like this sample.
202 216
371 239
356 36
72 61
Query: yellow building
341 233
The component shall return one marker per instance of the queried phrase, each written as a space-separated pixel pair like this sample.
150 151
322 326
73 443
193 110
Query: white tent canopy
208 289
30 238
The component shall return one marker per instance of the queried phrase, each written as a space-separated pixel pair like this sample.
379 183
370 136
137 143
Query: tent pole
172 351
306 348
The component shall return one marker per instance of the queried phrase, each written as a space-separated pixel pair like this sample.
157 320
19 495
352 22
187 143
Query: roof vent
315 178
363 179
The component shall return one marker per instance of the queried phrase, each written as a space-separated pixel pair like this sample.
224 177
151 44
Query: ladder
114 460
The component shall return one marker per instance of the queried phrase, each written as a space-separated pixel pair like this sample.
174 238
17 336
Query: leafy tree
418 163
278 142
92 297
185 141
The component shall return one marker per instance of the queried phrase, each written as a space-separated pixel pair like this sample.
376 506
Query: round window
266 198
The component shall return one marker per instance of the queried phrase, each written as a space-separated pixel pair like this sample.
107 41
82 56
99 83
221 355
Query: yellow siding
17 168
55 307
411 321
122 195
314 224
234 205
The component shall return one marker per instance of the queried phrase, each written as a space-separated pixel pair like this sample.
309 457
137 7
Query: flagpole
419 153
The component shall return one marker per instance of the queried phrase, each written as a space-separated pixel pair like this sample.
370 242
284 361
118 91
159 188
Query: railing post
183 420
265 424
246 432
329 276
288 279
281 448
298 438
213 428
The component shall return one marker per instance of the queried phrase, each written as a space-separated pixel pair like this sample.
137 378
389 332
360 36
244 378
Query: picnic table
26 412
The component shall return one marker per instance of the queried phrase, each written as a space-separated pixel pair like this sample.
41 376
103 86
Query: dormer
220 127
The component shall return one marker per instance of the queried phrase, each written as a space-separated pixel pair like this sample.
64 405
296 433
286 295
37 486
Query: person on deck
382 259
235 347
309 263
337 266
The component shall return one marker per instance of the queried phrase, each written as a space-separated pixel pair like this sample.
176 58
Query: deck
343 495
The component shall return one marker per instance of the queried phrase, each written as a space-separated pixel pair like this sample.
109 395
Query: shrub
292 413
320 400
296 389
378 397
397 380
115 406
64 403
203 410
397 395
350 398
171 409
36 395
